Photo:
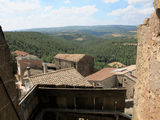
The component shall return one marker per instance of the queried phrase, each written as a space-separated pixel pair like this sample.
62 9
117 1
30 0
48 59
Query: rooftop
28 57
70 57
68 76
116 64
20 53
125 70
101 75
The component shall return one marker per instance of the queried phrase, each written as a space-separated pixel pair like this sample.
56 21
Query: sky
24 14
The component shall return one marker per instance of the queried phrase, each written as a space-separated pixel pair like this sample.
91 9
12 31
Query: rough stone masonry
8 93
147 91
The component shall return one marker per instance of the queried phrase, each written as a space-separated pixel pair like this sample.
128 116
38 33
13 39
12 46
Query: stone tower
147 91
8 93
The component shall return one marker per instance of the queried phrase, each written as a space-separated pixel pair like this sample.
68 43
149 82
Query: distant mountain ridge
98 30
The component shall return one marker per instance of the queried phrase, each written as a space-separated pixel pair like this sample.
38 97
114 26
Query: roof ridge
52 72
70 57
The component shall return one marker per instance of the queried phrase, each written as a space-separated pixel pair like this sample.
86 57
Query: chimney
45 69
28 72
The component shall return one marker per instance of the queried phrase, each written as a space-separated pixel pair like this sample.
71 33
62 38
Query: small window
74 65
119 84
124 79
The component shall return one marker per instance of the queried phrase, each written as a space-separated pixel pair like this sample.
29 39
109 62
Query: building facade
83 63
27 61
126 78
103 78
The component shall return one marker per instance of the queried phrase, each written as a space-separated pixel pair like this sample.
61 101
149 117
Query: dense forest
46 46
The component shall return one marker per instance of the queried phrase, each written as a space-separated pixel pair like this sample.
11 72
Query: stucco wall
109 82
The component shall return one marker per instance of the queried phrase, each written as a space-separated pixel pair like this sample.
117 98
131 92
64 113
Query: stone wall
7 111
147 91
84 66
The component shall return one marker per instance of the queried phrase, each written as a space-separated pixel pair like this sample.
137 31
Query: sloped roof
20 53
34 72
118 64
68 76
28 57
125 70
70 57
101 75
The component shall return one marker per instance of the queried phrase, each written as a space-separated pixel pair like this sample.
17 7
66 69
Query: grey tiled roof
68 76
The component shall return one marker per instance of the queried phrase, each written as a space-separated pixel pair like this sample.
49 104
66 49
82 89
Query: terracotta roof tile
70 57
101 75
118 64
67 76
20 53
125 70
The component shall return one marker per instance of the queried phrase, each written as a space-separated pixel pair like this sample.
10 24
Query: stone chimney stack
45 69
28 72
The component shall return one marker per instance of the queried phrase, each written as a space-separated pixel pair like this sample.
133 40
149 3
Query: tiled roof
70 57
118 64
101 75
20 53
34 72
125 70
67 76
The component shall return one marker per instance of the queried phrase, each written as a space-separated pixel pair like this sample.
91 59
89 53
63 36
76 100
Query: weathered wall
109 82
61 64
6 75
85 66
147 92
22 65
129 84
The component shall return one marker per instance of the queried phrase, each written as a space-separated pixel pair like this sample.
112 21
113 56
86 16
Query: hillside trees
47 46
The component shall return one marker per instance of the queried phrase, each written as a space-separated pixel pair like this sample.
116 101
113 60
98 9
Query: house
127 78
103 78
20 53
30 61
83 63
67 77
115 78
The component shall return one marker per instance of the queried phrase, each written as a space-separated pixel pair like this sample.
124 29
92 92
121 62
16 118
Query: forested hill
103 49
99 30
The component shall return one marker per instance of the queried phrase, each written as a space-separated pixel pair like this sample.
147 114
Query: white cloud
49 17
110 1
48 8
131 14
121 11
139 1
134 13
67 1
9 6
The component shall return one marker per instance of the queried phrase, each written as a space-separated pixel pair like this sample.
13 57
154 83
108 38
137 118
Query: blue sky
23 14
